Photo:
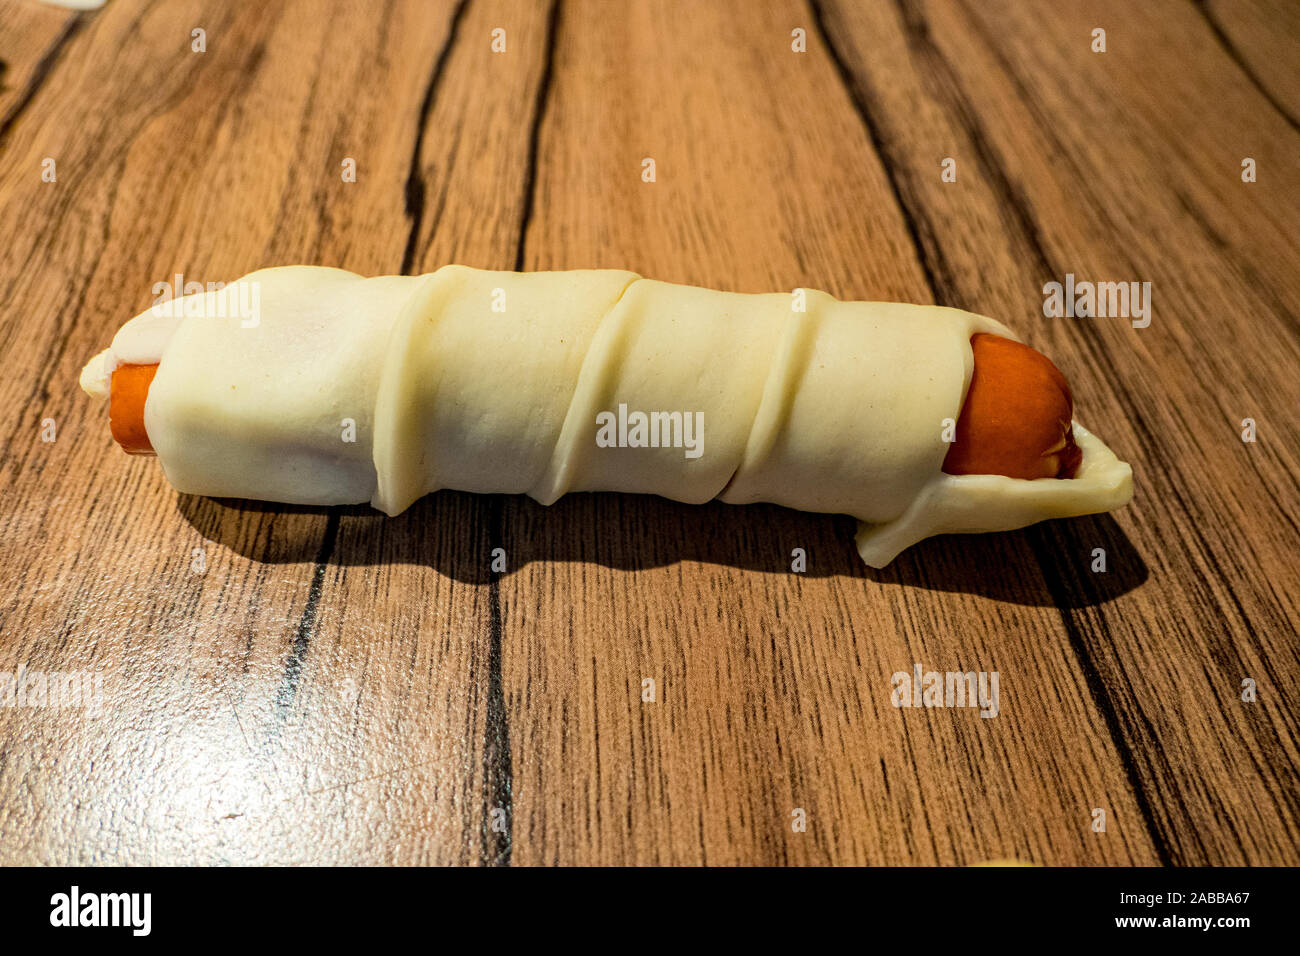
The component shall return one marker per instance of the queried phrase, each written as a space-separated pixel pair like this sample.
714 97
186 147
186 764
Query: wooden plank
410 617
1263 38
1077 161
219 733
33 38
774 687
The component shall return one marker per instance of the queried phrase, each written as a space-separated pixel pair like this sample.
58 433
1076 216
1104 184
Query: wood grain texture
332 686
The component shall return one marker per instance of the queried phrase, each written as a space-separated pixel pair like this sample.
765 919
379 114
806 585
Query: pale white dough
492 382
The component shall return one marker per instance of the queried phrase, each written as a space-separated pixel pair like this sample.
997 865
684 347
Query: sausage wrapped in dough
317 386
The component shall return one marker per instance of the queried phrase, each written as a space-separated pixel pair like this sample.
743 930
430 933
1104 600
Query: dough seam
579 415
788 364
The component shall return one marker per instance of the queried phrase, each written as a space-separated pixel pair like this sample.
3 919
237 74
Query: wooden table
298 685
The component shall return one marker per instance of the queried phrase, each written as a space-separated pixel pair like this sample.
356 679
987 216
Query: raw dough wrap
493 381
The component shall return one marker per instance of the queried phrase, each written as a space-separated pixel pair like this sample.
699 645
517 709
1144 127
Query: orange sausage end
1016 420
127 393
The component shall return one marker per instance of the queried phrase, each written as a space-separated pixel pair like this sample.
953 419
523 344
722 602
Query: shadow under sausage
1049 564
457 534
